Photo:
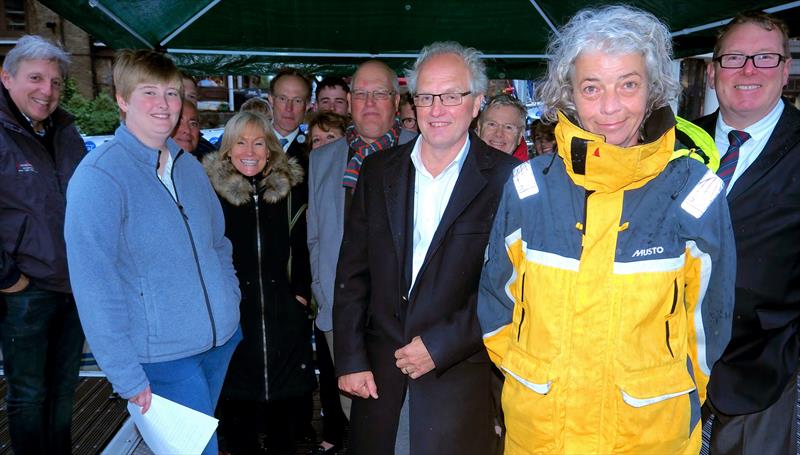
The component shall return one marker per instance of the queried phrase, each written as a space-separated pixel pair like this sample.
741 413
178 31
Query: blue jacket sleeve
93 232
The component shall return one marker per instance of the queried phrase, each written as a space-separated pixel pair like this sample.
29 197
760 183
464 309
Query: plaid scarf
364 149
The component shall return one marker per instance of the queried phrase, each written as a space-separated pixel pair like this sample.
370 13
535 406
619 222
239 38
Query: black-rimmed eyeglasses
447 99
765 60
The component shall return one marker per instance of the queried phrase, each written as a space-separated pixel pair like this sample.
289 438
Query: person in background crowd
326 127
149 262
753 388
187 132
543 138
334 174
271 371
408 113
502 123
332 95
41 336
607 292
406 340
290 93
259 105
203 146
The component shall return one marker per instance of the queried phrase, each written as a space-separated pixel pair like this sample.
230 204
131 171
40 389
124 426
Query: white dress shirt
289 137
759 132
431 195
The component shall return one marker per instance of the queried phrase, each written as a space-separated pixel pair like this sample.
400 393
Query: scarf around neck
363 149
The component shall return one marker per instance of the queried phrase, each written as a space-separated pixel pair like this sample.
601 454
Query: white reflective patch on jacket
642 402
524 181
706 190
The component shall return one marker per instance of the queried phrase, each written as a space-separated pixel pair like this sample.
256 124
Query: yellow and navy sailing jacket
607 294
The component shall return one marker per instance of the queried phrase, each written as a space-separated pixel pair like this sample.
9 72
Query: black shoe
319 450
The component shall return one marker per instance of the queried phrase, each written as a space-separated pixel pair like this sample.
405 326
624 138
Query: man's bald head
372 66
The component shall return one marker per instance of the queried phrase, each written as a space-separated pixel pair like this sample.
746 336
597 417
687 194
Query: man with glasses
502 123
334 173
408 113
407 341
290 94
187 132
752 391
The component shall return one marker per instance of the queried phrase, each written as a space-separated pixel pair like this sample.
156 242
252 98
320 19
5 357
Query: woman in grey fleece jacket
150 266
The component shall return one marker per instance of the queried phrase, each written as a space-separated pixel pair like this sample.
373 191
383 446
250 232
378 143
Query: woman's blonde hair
236 126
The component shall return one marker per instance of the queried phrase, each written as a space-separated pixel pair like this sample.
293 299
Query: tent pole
230 94
189 22
113 17
332 54
771 10
544 16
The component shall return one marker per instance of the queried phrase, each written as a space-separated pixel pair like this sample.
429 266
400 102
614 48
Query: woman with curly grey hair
607 292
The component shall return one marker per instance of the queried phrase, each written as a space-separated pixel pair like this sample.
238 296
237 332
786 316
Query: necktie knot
737 138
285 141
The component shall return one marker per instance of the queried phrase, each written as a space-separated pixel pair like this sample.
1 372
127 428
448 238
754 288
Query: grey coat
325 218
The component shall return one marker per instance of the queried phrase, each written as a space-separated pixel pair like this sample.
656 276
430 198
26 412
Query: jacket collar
284 173
598 166
141 152
59 118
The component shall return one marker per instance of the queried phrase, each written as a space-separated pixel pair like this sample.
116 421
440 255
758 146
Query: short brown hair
133 67
328 120
289 71
765 20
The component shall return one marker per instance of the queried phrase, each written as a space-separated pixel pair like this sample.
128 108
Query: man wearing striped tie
752 393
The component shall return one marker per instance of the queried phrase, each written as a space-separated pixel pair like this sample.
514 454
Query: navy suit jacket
762 356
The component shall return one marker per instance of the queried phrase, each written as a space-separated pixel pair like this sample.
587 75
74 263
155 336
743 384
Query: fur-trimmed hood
235 188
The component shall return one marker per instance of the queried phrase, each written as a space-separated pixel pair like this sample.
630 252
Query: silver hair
613 30
505 100
34 47
478 81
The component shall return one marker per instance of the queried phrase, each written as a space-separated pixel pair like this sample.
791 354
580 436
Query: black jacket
374 314
265 222
762 356
33 184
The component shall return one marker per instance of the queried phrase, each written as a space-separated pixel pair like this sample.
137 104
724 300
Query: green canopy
332 36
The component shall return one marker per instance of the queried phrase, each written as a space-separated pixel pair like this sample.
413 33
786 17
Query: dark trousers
333 419
771 431
242 423
42 342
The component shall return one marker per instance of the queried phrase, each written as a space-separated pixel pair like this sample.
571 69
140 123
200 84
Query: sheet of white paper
170 428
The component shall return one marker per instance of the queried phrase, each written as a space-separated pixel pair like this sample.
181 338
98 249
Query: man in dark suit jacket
752 389
407 340
290 95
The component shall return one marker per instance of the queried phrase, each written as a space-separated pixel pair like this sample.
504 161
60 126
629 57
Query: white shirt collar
759 130
289 137
458 161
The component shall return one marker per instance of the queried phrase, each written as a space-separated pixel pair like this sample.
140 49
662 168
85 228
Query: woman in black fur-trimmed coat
264 206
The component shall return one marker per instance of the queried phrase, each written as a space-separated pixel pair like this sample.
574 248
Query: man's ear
6 77
710 73
476 105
